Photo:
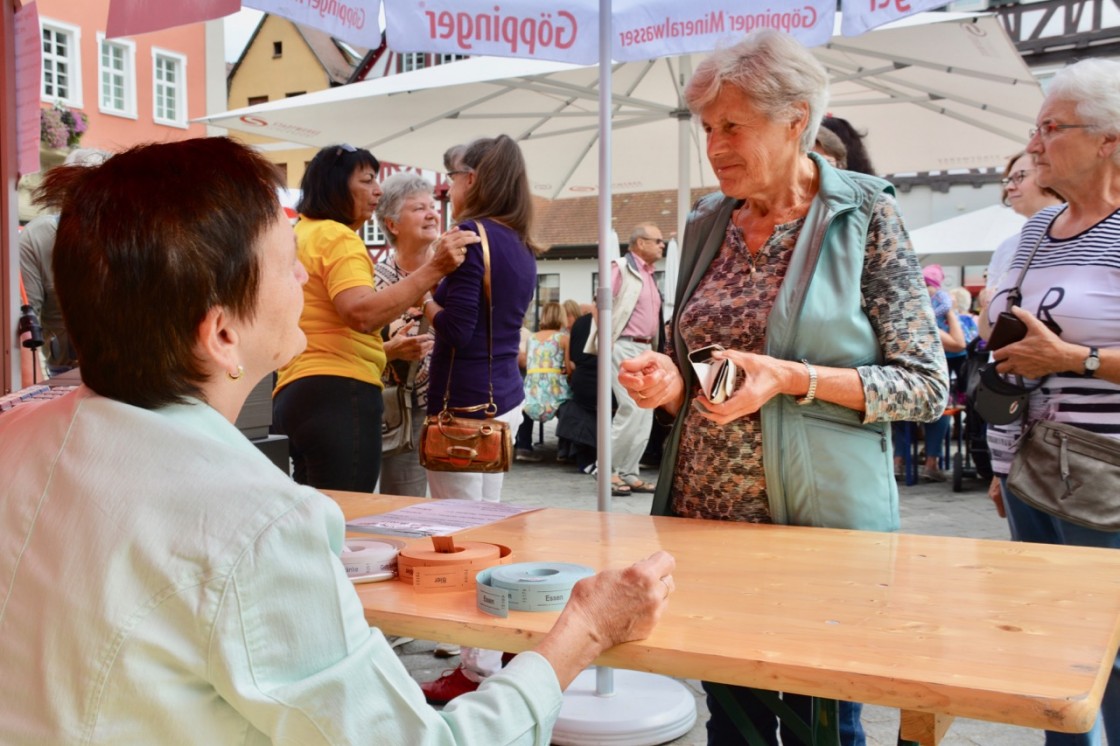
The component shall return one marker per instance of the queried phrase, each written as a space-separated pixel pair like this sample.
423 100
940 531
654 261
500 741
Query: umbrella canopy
968 239
921 113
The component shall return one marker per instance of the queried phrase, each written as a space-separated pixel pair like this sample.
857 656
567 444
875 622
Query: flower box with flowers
60 127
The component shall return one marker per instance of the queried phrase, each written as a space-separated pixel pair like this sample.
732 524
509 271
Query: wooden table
937 627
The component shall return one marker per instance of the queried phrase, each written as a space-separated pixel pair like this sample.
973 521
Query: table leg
924 728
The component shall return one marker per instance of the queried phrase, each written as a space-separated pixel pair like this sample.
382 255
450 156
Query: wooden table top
991 630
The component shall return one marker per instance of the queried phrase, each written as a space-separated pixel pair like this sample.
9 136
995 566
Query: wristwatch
1093 362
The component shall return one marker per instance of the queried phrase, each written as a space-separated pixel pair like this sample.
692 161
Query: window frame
371 233
129 74
407 61
74 98
180 121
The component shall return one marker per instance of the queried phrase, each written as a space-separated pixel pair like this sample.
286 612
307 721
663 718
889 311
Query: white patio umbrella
968 239
922 112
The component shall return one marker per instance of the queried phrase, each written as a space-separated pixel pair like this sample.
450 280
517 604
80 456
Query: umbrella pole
603 293
684 153
604 678
650 709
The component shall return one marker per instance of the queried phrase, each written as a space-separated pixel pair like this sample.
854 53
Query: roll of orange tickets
448 566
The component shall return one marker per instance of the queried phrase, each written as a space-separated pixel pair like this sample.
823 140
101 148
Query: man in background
635 328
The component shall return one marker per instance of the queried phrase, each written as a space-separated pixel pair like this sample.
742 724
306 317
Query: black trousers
333 426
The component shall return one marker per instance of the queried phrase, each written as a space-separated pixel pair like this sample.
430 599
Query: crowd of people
175 533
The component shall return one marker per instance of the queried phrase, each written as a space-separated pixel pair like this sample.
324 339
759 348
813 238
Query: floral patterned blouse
719 473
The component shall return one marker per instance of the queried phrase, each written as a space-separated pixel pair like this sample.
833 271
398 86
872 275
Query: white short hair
1094 88
772 69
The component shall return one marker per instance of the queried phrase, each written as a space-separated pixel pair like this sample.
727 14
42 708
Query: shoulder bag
1070 473
449 442
997 400
396 418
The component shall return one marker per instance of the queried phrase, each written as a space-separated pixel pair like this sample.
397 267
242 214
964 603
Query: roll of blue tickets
527 586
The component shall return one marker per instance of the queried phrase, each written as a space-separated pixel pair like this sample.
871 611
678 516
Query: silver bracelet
812 394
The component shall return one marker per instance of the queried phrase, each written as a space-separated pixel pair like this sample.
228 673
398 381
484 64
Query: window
169 88
254 100
116 91
283 169
548 291
293 94
443 59
371 233
408 61
277 49
62 66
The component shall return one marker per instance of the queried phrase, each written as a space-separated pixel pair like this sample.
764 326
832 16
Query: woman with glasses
1023 194
804 277
328 399
489 188
1072 282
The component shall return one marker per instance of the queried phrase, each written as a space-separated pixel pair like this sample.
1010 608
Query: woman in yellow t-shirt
328 399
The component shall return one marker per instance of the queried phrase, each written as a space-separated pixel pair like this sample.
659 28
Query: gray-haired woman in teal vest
804 277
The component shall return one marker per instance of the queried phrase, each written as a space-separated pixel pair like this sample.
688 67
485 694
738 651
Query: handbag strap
1015 296
490 409
414 368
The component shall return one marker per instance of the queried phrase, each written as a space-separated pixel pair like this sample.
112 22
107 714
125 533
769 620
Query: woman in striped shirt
1073 281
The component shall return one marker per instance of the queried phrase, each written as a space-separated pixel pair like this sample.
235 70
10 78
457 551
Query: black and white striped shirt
1074 282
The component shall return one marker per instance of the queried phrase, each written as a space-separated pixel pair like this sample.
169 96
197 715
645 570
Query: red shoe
448 686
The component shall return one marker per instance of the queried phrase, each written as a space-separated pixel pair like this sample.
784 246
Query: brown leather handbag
449 442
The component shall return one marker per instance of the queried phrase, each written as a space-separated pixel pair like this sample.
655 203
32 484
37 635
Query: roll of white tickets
371 559
527 586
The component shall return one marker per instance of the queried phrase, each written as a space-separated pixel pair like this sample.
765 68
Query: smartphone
1009 329
716 377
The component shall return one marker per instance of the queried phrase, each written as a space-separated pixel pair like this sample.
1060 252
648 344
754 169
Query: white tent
968 239
936 91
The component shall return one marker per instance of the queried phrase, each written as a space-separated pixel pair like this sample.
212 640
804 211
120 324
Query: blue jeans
722 731
333 426
1032 525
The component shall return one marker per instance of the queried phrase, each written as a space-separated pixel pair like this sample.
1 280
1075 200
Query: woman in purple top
488 186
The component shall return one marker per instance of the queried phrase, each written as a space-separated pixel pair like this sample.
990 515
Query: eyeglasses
1046 130
1016 178
452 174
659 241
344 147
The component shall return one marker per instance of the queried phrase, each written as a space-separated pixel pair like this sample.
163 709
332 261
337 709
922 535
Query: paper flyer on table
436 518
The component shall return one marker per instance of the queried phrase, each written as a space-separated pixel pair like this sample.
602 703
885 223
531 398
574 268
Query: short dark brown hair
501 186
325 186
147 244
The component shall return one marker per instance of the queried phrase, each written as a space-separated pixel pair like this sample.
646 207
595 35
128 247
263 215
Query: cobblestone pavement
932 509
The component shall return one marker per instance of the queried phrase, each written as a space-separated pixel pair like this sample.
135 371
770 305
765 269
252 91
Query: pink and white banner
558 30
353 21
131 17
859 16
29 72
567 30
648 29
